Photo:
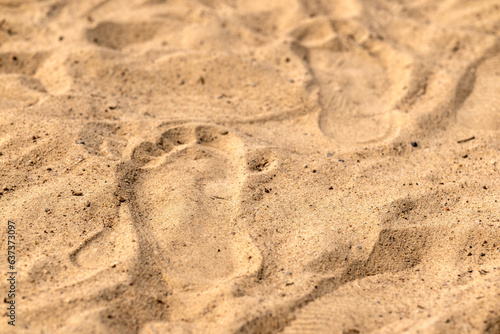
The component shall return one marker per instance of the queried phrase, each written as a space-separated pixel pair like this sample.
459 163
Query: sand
225 166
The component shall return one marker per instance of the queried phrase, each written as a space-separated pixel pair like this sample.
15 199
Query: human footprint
185 195
362 80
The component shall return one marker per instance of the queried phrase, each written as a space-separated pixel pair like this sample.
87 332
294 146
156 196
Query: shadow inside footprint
117 35
395 250
21 63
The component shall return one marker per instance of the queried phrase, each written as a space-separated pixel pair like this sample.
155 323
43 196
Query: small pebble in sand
414 144
80 142
76 193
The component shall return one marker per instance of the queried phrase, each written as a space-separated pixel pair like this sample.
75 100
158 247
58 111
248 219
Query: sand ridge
228 166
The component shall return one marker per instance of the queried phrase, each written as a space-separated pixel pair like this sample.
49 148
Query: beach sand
230 166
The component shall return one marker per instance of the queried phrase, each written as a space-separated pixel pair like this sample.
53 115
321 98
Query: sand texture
233 166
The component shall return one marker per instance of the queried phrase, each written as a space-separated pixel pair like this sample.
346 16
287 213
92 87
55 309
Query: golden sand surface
236 166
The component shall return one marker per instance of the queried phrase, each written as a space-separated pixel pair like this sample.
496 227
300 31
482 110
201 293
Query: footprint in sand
478 95
184 193
183 202
398 246
18 81
361 79
395 250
